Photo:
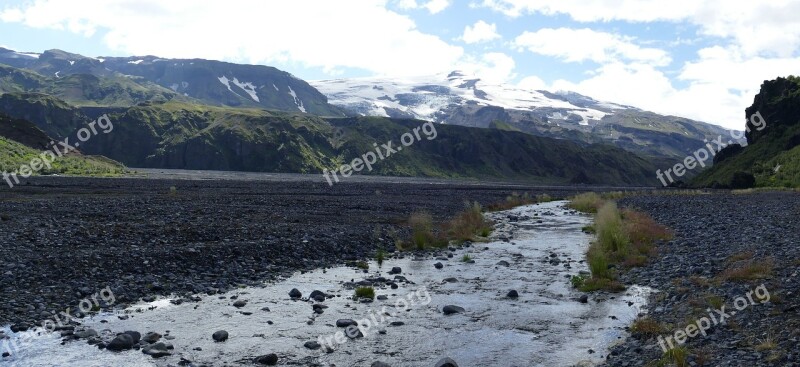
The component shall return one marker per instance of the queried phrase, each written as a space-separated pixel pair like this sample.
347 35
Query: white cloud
532 83
436 6
326 34
480 32
493 66
433 6
770 27
577 45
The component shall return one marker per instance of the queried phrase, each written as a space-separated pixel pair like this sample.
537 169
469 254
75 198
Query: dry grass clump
515 199
588 202
647 327
469 223
752 269
465 226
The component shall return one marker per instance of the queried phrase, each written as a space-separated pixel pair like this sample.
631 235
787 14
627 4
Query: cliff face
778 103
772 158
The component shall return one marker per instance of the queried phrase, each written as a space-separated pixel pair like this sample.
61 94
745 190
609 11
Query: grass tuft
745 270
588 202
365 292
647 327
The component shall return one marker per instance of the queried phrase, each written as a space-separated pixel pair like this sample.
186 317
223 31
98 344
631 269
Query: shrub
677 356
587 202
365 292
362 265
598 262
466 258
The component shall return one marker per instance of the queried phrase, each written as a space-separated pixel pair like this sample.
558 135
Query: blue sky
698 59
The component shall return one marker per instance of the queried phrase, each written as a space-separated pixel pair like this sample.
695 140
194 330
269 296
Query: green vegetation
772 157
258 140
466 258
380 256
362 265
465 226
13 155
646 327
364 292
515 199
587 202
749 269
623 239
675 356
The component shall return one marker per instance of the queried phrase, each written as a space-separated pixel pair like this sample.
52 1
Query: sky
698 59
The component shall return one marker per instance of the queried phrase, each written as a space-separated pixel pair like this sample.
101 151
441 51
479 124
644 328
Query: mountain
185 135
459 99
772 156
121 81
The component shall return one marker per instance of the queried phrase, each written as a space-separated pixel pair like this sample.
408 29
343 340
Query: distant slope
207 81
460 99
772 157
32 141
183 135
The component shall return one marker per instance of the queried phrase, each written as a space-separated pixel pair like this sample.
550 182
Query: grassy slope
13 155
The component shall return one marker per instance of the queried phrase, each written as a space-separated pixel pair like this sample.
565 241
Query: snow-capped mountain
207 81
459 99
431 98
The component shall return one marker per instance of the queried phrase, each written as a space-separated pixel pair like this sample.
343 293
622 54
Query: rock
317 294
267 360
120 342
438 265
397 323
450 280
157 350
451 309
240 303
151 337
446 362
135 335
312 345
503 263
379 364
383 297
86 334
220 336
396 270
512 294
345 322
583 299
294 293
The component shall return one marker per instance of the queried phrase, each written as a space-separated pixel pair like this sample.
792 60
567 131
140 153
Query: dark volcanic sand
66 238
709 230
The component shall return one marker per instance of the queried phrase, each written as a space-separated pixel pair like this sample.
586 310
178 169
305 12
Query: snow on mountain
433 98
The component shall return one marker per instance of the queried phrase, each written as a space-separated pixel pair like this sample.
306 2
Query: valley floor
64 239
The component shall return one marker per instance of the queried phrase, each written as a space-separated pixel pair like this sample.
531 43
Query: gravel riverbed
715 235
66 239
